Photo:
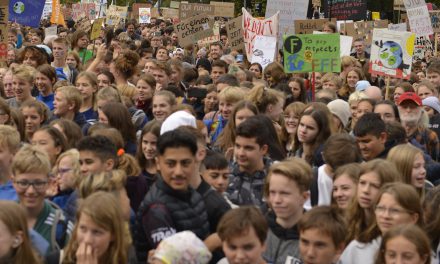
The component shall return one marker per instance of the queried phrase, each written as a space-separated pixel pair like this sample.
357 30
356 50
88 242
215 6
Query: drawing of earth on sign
391 55
18 7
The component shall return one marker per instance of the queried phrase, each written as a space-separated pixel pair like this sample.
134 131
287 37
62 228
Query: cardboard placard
398 27
289 10
223 9
346 9
214 38
144 15
84 9
116 15
190 10
253 27
307 26
96 28
235 33
419 19
26 12
170 13
264 50
174 4
135 9
83 24
435 20
51 31
363 29
312 53
4 13
391 53
155 12
193 29
422 44
398 5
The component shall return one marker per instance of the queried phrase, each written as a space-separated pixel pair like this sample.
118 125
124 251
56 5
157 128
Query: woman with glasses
30 170
397 204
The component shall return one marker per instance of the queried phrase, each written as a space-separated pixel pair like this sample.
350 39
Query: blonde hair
231 94
110 94
104 210
31 159
73 154
25 72
10 138
356 96
72 95
112 182
263 97
127 90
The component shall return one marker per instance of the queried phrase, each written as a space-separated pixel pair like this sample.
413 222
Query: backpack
61 229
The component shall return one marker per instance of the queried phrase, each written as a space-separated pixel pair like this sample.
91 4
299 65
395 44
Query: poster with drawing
391 53
264 50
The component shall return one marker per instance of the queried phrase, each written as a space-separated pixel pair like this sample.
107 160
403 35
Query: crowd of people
133 149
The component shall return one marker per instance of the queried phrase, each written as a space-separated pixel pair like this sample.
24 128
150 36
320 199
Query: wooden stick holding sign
435 44
387 87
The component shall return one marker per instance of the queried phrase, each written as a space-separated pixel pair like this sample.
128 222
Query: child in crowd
9 145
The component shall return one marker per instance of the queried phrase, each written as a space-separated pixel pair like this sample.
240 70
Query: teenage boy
96 154
63 70
250 167
433 74
243 232
219 67
322 233
30 177
67 103
171 205
9 145
287 189
370 134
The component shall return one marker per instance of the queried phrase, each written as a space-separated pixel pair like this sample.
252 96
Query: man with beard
415 123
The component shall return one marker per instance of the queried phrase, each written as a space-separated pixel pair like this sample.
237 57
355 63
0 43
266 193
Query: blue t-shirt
7 192
90 115
48 100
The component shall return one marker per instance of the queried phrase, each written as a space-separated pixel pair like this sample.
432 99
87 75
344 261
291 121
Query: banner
435 20
87 10
289 10
346 9
235 33
144 15
190 10
96 28
116 15
391 53
4 13
193 29
57 16
253 27
26 12
307 26
312 53
223 9
419 19
264 50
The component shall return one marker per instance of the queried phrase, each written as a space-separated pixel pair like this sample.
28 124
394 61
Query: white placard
264 50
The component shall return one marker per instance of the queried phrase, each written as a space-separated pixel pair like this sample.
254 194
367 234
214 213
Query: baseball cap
410 96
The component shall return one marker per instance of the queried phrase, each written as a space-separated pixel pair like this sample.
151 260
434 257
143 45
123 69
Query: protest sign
375 15
289 10
174 4
362 29
391 53
344 43
398 5
264 50
144 15
312 53
346 9
155 12
67 12
51 31
83 24
84 9
26 12
235 33
116 15
223 9
96 28
214 38
190 10
422 44
4 13
57 16
307 26
398 27
170 13
419 19
137 6
435 20
193 29
47 10
253 27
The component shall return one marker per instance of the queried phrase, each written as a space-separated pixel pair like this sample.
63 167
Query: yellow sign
96 28
375 15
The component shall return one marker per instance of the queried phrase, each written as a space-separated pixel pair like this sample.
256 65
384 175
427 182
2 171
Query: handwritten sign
307 26
289 10
170 13
83 9
344 43
190 10
312 53
264 50
346 9
174 4
419 19
253 27
235 33
137 6
193 29
391 53
116 15
363 29
144 15
435 20
96 28
83 24
422 44
398 27
223 9
214 38
51 31
398 5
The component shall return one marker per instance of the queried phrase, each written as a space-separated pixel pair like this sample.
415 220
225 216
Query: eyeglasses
62 171
391 211
38 185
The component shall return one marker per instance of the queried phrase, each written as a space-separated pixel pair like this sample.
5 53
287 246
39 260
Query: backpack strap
314 193
58 232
